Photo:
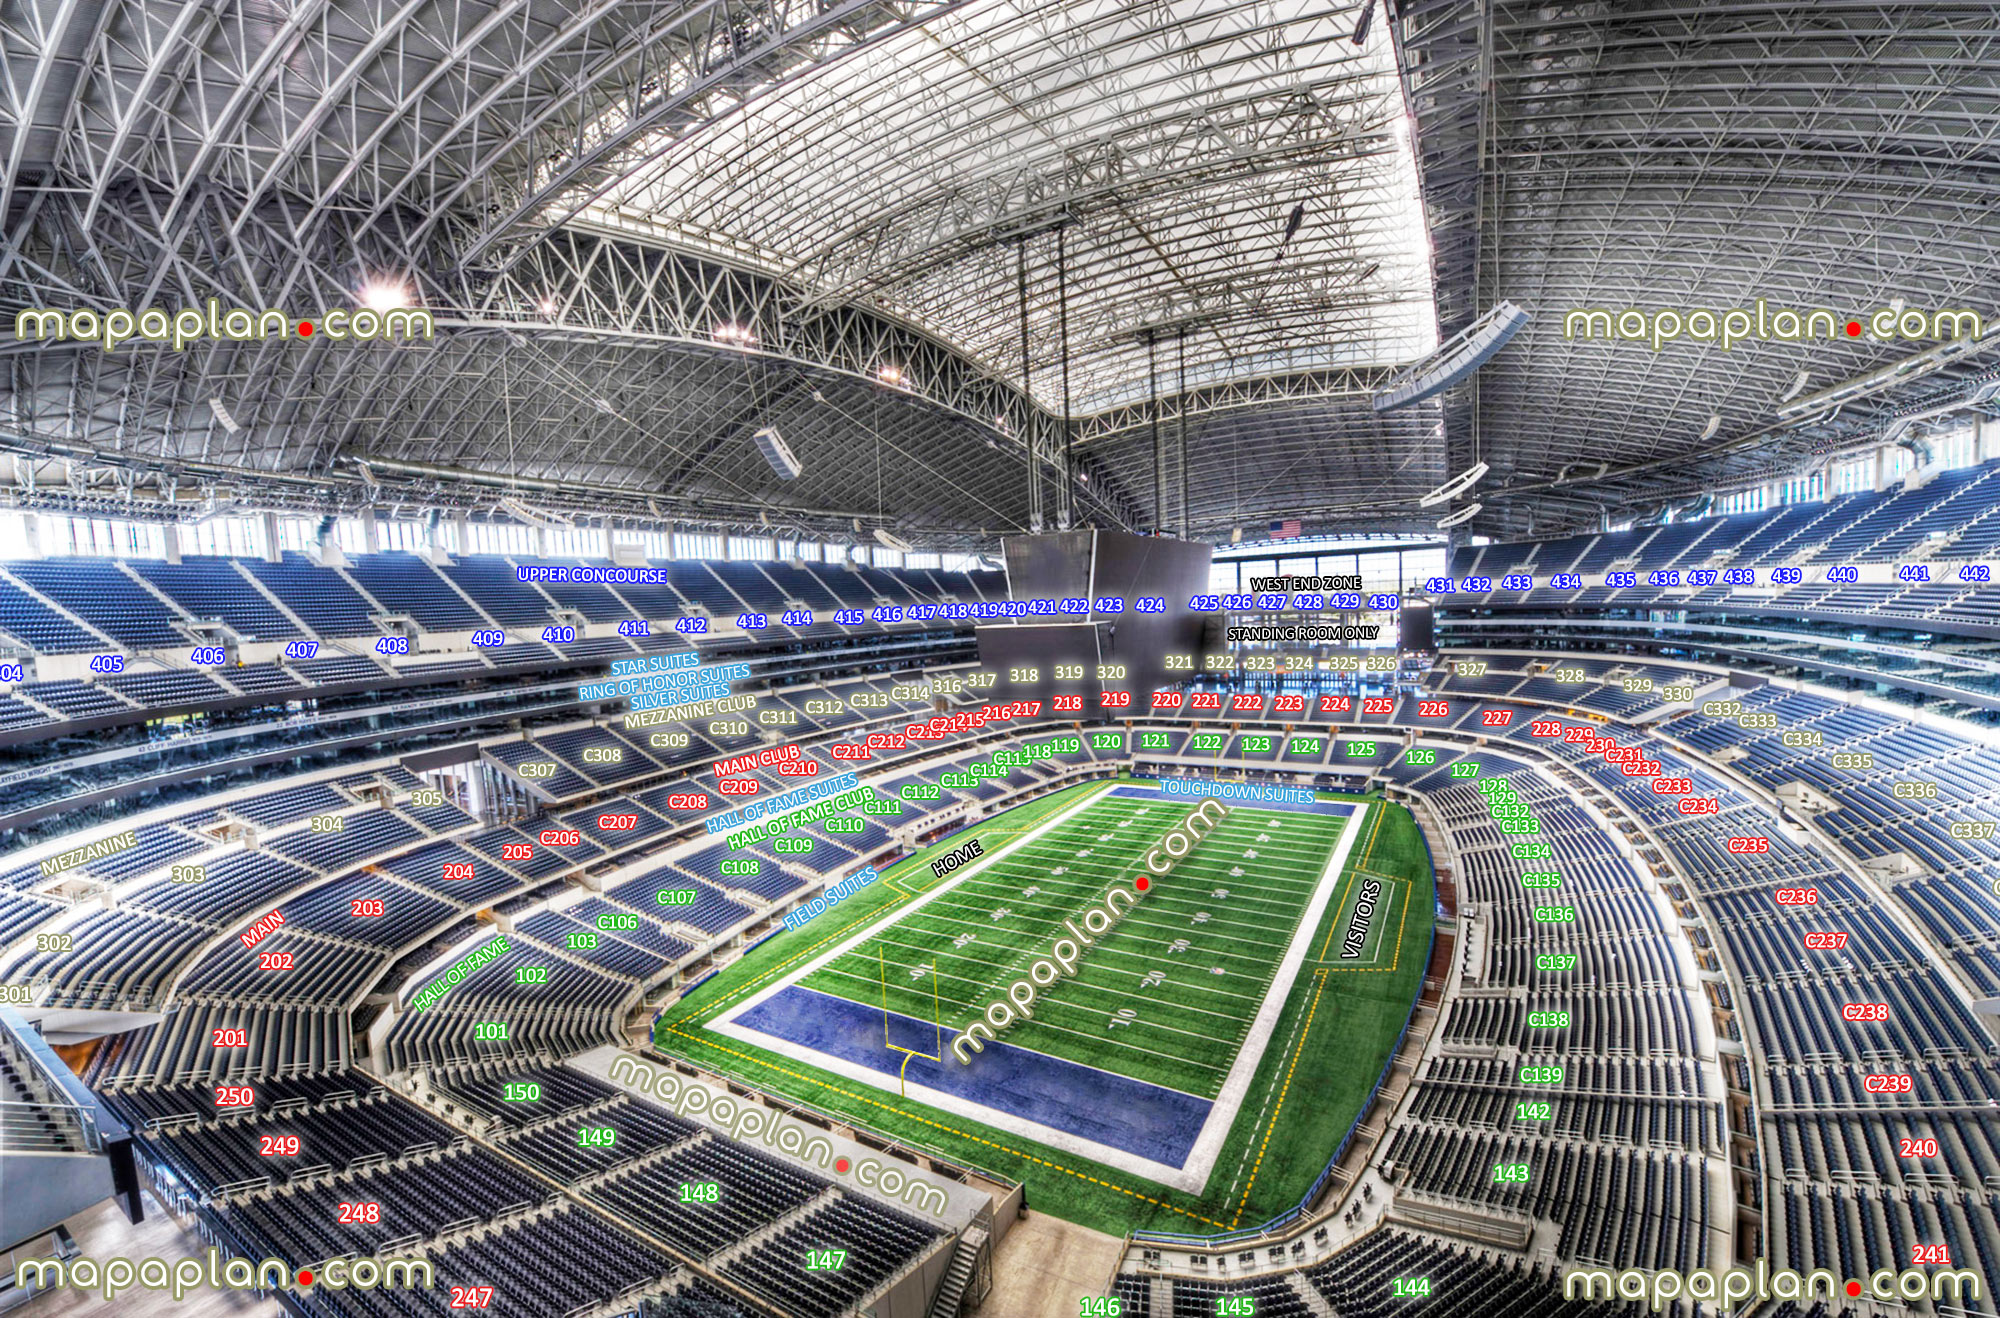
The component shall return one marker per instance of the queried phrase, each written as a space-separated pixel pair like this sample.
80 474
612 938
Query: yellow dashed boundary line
1369 850
1297 1053
1355 868
1403 886
1340 898
903 896
1402 920
1338 905
756 981
1403 883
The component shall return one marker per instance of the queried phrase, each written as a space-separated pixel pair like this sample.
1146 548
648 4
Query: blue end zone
1341 809
1160 1124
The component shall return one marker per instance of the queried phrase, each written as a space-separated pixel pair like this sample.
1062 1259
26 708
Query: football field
1189 1062
1167 997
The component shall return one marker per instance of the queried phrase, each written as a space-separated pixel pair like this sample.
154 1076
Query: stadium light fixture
890 374
217 506
1361 28
1454 487
1978 396
384 294
1888 377
1464 353
535 516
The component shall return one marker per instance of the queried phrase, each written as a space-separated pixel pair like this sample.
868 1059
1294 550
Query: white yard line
895 914
1159 1172
1192 1175
1214 1131
1132 920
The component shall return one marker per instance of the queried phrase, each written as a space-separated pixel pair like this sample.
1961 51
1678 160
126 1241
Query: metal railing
953 1167
54 1126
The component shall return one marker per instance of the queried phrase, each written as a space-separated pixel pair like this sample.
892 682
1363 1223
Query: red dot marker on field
1854 1288
1142 883
1854 332
305 1276
305 329
841 1165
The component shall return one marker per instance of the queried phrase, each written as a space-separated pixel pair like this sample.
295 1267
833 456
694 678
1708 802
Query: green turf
1373 949
1146 1000
1328 1048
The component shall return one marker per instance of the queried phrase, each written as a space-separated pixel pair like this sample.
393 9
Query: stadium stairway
1673 855
965 1256
60 1151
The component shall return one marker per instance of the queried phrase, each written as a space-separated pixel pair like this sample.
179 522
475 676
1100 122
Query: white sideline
1193 1174
1236 1087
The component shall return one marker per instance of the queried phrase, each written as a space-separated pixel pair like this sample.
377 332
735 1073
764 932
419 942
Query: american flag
1286 529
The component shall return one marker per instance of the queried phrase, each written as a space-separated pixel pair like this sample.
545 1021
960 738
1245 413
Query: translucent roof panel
1172 143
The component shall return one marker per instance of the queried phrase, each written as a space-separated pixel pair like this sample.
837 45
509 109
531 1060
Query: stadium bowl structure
960 657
